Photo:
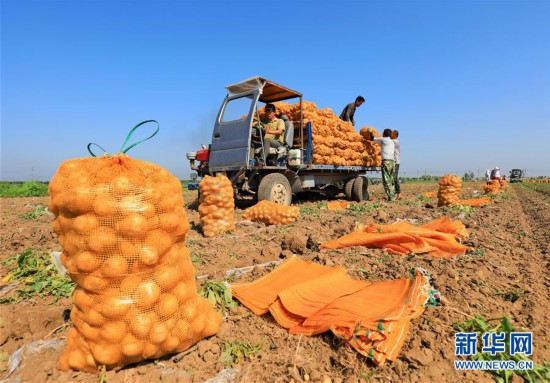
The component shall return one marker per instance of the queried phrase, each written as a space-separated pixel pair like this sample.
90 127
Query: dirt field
506 274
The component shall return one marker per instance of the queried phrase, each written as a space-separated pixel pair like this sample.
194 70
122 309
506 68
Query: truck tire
360 190
349 188
275 187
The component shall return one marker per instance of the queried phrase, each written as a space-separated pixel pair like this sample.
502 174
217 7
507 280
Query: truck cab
236 150
516 175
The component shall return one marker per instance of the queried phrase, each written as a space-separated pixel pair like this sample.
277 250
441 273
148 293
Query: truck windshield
237 109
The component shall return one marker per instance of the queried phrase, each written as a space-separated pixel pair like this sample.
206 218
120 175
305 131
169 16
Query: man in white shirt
495 174
388 165
394 137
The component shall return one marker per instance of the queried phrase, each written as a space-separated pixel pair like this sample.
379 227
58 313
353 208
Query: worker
273 128
394 137
387 147
349 111
487 176
495 173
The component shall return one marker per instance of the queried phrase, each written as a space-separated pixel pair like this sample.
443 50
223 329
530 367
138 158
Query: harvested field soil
506 273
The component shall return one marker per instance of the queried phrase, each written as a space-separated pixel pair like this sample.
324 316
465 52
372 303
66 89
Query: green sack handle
124 149
90 150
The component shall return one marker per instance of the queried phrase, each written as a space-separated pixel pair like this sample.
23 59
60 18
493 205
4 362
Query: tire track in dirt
534 215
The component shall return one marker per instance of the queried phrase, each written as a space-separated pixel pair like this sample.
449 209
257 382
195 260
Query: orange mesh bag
216 205
272 213
122 226
449 190
492 187
309 299
339 205
503 184
477 201
438 238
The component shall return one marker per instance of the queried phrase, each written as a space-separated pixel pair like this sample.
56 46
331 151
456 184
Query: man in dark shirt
349 111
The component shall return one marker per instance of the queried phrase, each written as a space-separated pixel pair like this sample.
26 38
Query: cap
269 107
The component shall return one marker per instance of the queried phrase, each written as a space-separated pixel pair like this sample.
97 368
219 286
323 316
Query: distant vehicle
193 185
516 175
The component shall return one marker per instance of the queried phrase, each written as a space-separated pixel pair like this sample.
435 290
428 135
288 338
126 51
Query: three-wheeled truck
236 150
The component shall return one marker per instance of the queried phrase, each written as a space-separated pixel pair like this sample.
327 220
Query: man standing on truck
273 128
349 111
387 148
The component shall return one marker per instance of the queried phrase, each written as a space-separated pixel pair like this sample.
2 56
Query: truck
516 175
236 150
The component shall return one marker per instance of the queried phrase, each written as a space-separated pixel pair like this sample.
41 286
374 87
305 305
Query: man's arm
280 128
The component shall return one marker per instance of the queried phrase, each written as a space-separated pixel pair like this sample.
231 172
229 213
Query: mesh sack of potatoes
335 142
122 227
272 213
449 190
216 205
492 187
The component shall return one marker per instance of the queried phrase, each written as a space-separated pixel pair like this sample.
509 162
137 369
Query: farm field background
505 274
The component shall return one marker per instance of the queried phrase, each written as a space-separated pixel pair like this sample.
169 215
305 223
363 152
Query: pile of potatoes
272 213
449 190
122 227
335 142
217 205
492 187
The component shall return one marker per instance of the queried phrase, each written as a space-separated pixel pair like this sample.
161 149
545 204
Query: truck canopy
269 91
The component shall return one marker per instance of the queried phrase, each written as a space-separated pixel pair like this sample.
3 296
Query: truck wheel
275 188
360 190
349 188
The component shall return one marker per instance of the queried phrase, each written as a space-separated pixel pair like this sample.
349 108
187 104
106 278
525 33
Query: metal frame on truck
236 150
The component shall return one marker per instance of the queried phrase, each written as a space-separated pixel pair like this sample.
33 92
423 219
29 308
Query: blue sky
467 83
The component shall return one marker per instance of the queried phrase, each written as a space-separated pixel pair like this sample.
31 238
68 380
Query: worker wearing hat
273 128
495 173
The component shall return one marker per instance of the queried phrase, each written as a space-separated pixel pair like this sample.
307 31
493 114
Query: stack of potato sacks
449 190
335 142
492 187
216 205
122 226
272 213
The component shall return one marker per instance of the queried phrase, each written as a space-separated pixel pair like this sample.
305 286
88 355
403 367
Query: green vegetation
201 258
480 326
23 189
38 211
478 252
235 352
37 275
359 209
310 210
424 199
219 294
465 209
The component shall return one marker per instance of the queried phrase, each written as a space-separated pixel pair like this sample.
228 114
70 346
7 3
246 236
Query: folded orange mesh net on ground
339 205
437 238
477 201
309 299
429 194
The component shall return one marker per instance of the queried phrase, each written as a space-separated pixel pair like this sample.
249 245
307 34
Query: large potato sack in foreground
122 226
